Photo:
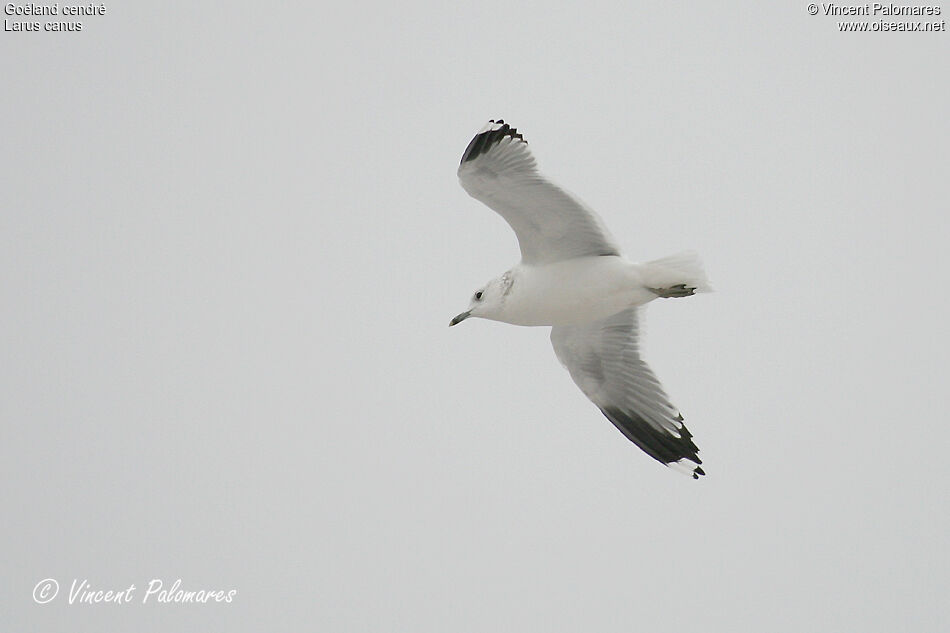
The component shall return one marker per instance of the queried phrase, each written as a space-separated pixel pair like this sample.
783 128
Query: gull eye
478 296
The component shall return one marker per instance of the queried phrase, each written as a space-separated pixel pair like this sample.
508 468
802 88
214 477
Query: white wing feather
498 169
603 358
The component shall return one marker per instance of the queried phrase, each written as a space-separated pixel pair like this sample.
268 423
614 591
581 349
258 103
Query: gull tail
679 275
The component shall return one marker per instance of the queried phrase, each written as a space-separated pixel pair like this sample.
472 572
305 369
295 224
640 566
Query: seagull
573 278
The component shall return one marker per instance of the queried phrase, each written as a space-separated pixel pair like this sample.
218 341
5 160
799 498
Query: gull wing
603 358
498 169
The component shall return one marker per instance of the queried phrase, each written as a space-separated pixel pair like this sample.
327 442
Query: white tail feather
682 268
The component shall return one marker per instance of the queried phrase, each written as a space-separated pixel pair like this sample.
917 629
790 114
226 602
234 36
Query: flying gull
573 277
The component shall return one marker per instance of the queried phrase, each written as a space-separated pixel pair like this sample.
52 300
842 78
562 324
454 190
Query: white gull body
573 277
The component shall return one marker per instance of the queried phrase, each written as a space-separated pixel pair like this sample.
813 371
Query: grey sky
231 241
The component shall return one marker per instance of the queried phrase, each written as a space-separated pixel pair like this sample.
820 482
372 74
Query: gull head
488 301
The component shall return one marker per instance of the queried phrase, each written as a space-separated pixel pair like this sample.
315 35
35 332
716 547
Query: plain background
231 241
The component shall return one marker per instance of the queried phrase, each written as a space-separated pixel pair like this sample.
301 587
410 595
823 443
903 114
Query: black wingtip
484 140
661 446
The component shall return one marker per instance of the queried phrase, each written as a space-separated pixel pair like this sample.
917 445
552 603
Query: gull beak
460 318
